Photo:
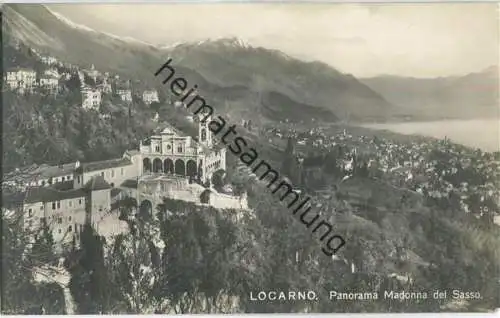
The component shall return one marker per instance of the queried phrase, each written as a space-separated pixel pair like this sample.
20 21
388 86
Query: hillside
35 26
474 95
232 75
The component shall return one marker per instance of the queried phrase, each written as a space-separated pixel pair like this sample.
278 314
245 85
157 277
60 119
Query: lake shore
477 133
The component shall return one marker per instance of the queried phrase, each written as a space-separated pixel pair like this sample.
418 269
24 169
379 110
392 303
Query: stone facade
172 153
65 212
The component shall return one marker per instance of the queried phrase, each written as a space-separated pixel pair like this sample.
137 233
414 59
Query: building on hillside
125 94
64 211
52 72
150 96
171 152
49 60
93 73
114 171
49 82
21 78
91 98
105 87
42 175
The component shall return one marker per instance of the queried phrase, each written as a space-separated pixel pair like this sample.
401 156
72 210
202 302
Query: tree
218 179
74 83
131 268
89 283
20 295
200 268
43 248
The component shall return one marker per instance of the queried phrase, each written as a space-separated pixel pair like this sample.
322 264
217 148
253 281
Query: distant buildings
93 73
125 95
49 80
21 78
42 175
150 96
105 87
91 98
49 60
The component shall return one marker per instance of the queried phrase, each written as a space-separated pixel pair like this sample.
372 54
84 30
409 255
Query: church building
171 152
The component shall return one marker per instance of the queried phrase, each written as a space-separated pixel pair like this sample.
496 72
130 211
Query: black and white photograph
249 157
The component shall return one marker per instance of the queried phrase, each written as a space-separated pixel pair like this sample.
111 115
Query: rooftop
18 69
166 128
46 194
102 165
97 183
43 171
57 193
130 183
49 76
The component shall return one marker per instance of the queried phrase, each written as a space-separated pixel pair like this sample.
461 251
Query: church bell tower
205 136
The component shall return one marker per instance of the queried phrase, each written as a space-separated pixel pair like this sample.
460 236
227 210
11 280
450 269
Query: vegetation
20 293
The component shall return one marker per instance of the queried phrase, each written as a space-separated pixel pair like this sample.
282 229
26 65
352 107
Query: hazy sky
420 40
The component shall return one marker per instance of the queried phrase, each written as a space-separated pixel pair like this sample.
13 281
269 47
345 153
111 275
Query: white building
105 87
21 78
91 98
150 96
50 82
52 72
125 94
49 60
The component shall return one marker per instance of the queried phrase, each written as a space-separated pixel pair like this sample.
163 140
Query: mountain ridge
474 95
219 65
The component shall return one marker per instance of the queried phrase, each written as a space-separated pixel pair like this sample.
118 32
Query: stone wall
226 201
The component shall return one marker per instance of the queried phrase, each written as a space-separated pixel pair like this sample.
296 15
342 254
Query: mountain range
254 82
474 95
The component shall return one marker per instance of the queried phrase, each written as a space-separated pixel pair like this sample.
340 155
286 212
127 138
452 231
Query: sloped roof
49 194
130 183
17 69
104 164
10 199
97 183
131 153
42 171
46 194
166 128
49 76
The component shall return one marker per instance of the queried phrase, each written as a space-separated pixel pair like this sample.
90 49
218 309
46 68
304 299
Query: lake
477 133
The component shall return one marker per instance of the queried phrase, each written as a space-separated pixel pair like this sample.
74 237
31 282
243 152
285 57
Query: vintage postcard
214 158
